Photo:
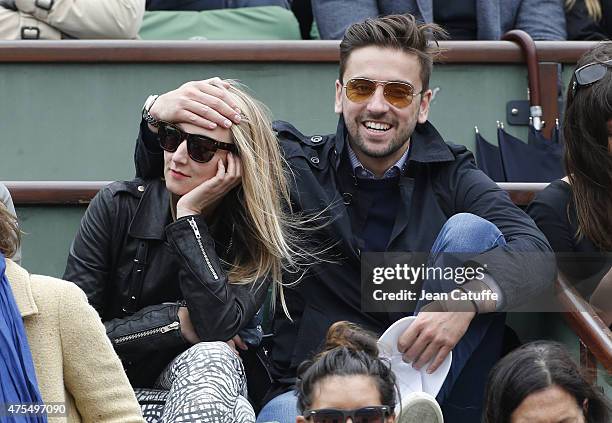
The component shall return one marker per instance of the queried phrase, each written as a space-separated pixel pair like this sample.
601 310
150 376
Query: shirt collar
360 171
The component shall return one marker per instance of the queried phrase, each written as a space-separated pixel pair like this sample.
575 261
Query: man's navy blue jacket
440 180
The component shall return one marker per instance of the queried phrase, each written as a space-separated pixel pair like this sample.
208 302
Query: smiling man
388 182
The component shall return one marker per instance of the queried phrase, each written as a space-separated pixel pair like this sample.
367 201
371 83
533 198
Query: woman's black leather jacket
137 267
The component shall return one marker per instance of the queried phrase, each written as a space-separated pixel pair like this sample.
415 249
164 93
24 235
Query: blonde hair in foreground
9 232
266 224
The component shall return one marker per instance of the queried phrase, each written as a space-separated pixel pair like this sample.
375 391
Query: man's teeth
379 126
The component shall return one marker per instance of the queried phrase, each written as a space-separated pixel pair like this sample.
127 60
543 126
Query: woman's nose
181 154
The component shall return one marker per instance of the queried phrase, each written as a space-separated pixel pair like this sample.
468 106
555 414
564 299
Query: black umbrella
488 159
540 160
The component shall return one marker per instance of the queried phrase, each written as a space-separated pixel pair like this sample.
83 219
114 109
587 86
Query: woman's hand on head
203 198
206 104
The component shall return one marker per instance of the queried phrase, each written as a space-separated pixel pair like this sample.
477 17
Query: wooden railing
595 337
87 51
65 193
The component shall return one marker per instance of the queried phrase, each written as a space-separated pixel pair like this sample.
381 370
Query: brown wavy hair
9 232
588 161
398 32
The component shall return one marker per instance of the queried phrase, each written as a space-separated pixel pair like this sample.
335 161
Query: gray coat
542 19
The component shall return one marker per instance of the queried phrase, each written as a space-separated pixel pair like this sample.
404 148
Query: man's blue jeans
474 355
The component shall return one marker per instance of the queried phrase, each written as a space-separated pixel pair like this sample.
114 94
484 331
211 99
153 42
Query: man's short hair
399 32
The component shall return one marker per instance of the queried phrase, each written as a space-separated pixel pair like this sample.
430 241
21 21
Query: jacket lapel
19 278
153 212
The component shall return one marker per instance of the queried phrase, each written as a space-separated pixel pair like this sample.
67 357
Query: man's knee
468 233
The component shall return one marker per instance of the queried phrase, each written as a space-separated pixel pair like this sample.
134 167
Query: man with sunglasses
389 183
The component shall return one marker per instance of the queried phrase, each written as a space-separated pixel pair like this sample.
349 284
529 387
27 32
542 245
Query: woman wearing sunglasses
348 379
174 264
575 213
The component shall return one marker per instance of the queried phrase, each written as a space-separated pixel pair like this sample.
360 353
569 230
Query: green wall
79 121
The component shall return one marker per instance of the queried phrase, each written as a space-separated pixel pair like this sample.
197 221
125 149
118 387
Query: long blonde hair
266 222
593 8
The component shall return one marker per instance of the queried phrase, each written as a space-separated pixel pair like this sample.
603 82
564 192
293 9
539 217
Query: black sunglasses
590 74
199 147
372 414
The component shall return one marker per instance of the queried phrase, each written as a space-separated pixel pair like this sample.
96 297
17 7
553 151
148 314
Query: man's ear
338 102
585 407
300 419
424 106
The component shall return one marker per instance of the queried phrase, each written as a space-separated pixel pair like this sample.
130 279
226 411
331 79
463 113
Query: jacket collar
427 145
19 279
153 212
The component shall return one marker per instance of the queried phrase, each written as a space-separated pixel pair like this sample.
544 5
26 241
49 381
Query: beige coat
74 360
86 19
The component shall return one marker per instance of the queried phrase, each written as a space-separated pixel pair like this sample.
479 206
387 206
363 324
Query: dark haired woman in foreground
539 383
575 213
348 379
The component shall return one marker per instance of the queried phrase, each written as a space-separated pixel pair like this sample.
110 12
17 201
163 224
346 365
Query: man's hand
187 329
206 104
200 199
432 336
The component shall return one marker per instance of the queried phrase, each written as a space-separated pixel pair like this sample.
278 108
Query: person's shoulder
294 141
48 286
551 202
458 150
49 292
557 194
133 188
4 192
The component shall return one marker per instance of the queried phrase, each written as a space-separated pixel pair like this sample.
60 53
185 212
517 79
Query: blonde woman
53 347
178 267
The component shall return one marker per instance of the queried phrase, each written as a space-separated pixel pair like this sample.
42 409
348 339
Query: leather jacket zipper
196 232
144 334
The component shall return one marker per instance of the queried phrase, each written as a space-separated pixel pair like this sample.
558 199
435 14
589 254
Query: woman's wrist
186 211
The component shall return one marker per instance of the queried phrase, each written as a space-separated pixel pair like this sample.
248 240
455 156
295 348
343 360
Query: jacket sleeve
90 265
120 19
92 372
526 265
148 156
544 20
217 308
12 21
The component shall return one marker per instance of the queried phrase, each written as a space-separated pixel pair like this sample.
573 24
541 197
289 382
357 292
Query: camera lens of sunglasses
199 151
369 415
398 94
169 137
591 74
362 415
